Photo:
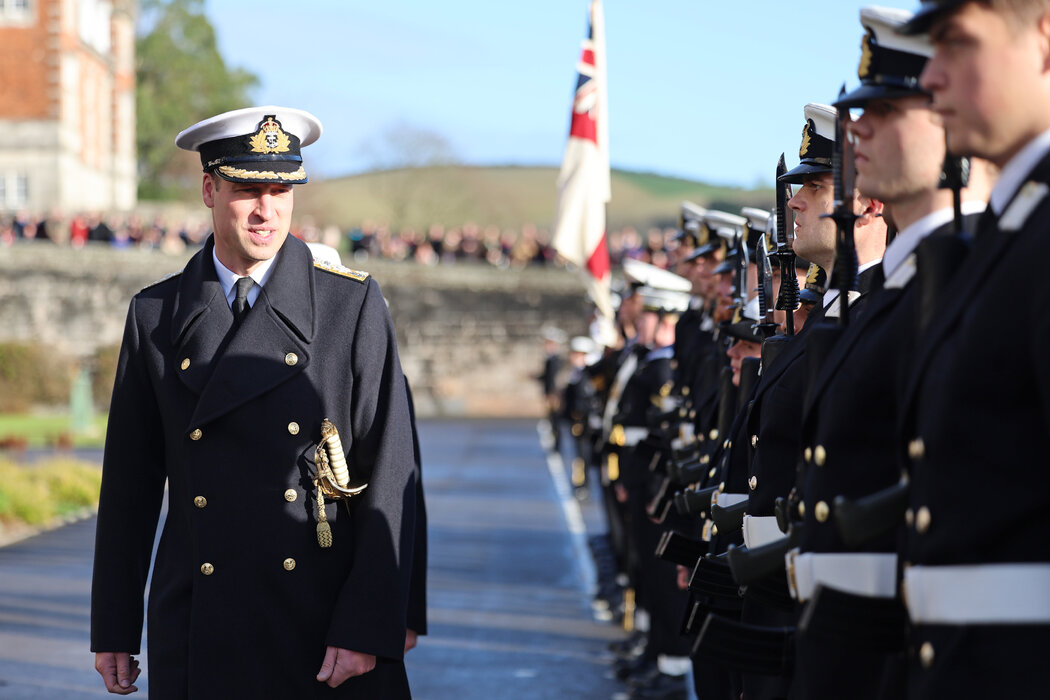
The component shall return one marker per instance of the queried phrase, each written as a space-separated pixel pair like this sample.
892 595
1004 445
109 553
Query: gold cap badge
865 54
270 138
807 137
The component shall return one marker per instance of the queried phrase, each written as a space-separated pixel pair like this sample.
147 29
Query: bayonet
787 299
844 276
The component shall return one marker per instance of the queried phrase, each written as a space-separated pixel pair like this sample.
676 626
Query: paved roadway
509 609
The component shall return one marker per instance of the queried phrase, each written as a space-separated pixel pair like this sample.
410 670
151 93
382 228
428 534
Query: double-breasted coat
849 415
243 600
976 413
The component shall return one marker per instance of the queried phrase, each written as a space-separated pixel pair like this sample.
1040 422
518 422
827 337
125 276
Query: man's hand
410 640
118 670
684 575
340 664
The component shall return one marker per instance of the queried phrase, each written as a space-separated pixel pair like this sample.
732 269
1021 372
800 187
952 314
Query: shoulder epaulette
162 279
357 275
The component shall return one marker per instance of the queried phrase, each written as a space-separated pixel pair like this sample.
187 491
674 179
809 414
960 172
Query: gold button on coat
207 569
711 474
926 654
293 428
291 359
801 509
185 363
290 495
753 482
820 455
196 434
822 512
754 441
909 517
200 501
289 564
808 454
713 434
922 520
917 448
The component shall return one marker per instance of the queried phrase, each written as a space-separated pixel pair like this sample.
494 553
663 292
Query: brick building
67 105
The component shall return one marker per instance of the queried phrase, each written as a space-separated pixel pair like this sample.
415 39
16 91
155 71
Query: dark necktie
240 302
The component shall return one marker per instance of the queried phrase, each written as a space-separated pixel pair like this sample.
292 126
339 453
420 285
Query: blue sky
700 89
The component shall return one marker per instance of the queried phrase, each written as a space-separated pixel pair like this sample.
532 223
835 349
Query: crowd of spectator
433 245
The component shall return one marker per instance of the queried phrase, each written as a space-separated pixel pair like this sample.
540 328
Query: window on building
14 190
93 19
16 11
21 191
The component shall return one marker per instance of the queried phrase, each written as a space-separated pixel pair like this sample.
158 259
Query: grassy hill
504 196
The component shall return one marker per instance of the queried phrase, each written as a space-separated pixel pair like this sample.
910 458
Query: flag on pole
584 182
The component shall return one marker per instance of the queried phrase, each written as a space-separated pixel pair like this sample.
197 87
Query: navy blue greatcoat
243 600
976 414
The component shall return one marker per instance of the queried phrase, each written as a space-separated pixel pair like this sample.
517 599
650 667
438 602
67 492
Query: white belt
761 530
632 436
724 500
872 575
981 594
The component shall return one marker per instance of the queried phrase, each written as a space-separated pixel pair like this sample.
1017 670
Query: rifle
844 276
787 299
939 256
955 176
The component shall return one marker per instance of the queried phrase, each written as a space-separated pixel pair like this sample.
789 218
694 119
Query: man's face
646 326
665 330
814 236
705 266
724 289
986 77
899 148
699 272
630 307
737 352
251 220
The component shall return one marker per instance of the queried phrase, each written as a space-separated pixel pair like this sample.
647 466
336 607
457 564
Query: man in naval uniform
977 576
766 439
900 153
263 585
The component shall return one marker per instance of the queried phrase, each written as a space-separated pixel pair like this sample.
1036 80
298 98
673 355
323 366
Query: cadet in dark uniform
900 152
977 575
264 389
766 438
549 378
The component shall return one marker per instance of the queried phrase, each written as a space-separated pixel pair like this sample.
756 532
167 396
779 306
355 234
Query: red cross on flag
583 185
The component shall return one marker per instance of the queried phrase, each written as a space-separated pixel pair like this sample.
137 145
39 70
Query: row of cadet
822 479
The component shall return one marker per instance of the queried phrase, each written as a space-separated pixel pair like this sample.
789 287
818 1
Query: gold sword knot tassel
324 530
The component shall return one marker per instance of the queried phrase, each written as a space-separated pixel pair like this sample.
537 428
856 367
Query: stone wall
469 335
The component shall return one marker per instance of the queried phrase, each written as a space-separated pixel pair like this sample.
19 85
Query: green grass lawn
46 430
